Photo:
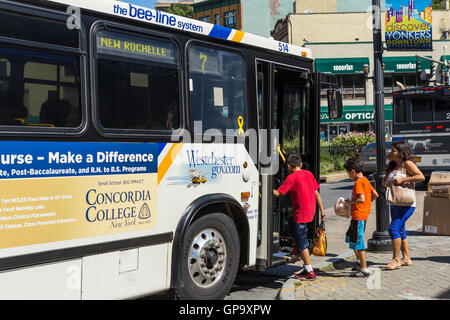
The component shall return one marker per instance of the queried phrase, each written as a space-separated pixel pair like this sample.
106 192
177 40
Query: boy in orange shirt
362 195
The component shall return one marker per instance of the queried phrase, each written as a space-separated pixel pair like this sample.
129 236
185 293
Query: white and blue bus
125 148
422 118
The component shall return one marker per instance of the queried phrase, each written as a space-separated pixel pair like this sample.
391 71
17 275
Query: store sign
366 115
405 64
341 65
408 25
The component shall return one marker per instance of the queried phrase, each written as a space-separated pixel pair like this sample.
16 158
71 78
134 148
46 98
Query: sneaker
360 274
356 267
306 276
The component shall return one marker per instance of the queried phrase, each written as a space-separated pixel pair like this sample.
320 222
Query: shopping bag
320 248
341 209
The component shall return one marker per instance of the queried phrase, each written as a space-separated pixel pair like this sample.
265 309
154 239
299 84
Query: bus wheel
210 258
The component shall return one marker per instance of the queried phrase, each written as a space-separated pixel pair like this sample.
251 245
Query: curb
335 177
287 291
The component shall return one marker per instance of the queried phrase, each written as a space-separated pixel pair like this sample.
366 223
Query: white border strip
122 9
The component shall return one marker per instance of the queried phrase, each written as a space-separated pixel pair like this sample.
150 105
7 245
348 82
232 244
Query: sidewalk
333 177
428 278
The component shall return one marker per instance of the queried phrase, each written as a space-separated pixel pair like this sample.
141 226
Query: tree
183 10
436 4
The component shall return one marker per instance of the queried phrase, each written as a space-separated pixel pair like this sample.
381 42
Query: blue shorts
301 236
355 235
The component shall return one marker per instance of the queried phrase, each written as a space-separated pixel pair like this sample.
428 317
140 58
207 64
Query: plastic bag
341 209
320 248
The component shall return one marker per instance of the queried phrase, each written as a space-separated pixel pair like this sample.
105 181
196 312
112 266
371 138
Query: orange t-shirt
361 211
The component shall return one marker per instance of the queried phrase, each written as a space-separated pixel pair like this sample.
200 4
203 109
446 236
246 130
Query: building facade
257 17
165 4
342 45
226 13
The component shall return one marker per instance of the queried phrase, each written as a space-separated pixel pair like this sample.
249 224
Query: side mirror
334 99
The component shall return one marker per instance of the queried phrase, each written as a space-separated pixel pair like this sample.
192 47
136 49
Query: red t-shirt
302 187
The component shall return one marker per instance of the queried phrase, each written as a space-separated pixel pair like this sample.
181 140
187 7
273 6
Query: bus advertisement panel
56 191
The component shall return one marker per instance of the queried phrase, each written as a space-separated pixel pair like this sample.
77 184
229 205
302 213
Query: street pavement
428 277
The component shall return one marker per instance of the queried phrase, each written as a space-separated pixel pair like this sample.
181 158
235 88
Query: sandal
393 265
406 262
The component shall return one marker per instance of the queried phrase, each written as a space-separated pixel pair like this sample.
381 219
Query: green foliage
291 145
332 159
436 4
354 139
333 155
183 10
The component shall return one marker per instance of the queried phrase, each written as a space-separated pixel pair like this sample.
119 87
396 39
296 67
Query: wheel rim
207 258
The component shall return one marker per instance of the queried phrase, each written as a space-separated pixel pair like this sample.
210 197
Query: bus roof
161 18
439 89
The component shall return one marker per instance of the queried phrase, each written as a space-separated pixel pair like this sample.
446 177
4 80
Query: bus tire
210 258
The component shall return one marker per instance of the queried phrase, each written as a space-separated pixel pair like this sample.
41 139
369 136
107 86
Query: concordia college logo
144 213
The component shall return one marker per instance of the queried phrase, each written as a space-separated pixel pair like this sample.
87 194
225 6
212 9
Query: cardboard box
436 216
439 178
439 184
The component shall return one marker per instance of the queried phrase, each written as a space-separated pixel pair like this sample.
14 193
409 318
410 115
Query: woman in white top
401 170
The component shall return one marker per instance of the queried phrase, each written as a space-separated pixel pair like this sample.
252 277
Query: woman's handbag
320 249
401 196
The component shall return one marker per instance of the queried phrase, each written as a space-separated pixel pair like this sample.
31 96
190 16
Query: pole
447 68
381 241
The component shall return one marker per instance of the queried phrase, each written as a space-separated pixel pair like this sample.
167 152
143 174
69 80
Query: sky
419 4
145 3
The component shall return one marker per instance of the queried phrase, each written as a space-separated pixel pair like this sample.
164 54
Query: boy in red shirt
303 189
362 195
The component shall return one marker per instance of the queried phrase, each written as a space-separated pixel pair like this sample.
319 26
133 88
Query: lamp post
381 241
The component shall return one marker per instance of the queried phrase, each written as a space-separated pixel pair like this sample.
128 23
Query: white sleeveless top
400 174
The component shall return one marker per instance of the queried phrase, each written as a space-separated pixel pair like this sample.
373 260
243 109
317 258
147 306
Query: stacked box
439 185
436 208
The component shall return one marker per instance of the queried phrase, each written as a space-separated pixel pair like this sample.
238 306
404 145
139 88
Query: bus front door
283 107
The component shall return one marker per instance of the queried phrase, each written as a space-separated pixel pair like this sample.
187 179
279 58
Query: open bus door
288 104
328 83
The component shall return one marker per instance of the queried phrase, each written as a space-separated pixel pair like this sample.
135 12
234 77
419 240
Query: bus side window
217 93
39 29
52 92
400 110
29 76
442 109
9 113
421 110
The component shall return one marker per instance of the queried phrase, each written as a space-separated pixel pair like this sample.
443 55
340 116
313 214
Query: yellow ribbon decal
281 153
241 125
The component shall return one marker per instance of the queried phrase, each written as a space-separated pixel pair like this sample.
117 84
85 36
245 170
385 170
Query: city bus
139 150
422 118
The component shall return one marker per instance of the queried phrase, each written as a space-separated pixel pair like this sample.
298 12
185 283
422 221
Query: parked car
369 157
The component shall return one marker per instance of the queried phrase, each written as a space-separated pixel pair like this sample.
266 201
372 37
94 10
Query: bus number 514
283 47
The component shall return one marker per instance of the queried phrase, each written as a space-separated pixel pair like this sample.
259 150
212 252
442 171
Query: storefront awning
404 64
356 114
342 65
